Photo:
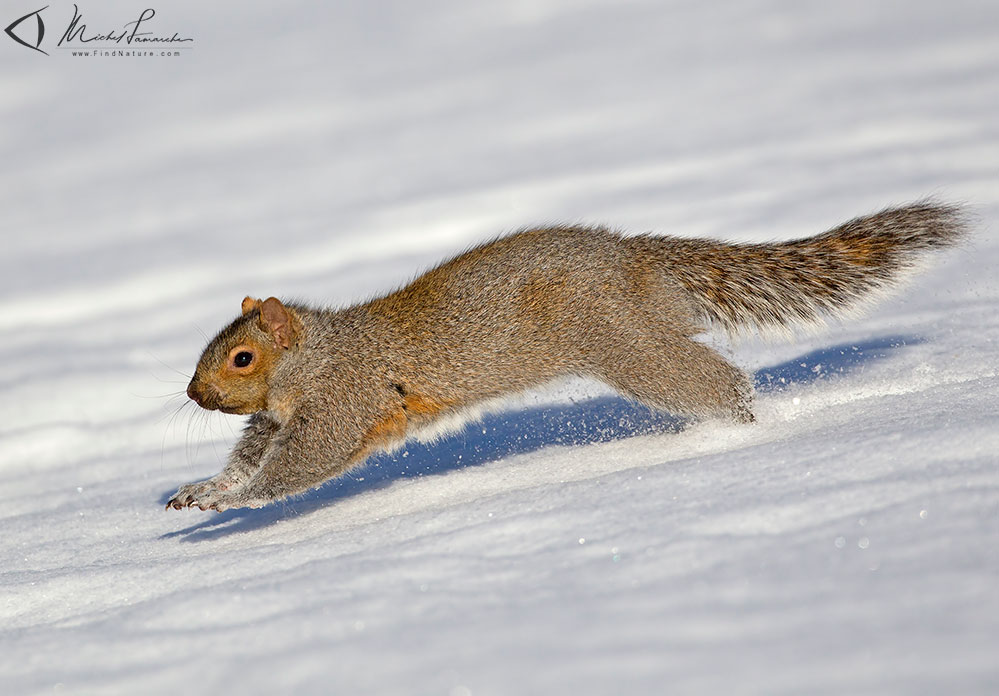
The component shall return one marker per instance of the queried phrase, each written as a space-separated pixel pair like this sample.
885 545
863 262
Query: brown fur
328 388
384 432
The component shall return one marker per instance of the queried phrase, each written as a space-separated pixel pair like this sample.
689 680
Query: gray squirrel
327 388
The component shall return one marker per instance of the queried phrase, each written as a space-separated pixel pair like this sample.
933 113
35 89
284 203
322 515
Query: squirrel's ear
276 320
250 304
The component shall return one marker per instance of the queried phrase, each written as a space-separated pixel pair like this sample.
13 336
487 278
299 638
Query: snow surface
847 543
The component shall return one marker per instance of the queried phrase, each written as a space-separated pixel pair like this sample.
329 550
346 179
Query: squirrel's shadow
504 434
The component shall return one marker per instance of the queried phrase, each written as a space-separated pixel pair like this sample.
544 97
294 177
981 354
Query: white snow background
846 543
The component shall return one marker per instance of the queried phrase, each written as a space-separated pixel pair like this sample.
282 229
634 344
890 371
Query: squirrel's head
235 368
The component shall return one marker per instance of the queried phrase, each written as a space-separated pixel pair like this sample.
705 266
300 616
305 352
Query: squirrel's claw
176 503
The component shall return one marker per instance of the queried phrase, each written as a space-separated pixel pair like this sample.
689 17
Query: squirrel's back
513 311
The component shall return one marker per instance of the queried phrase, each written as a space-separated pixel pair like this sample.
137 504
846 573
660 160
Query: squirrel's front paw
208 495
187 494
199 494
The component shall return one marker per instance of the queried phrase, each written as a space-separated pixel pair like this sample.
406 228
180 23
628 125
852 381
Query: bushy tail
779 285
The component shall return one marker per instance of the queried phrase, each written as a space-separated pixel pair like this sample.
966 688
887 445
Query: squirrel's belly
422 425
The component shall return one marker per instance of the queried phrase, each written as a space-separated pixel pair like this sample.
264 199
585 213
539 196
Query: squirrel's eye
242 359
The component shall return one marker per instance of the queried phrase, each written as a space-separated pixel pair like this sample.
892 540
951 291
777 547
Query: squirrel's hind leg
680 376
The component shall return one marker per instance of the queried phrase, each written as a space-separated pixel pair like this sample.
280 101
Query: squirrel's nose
193 393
